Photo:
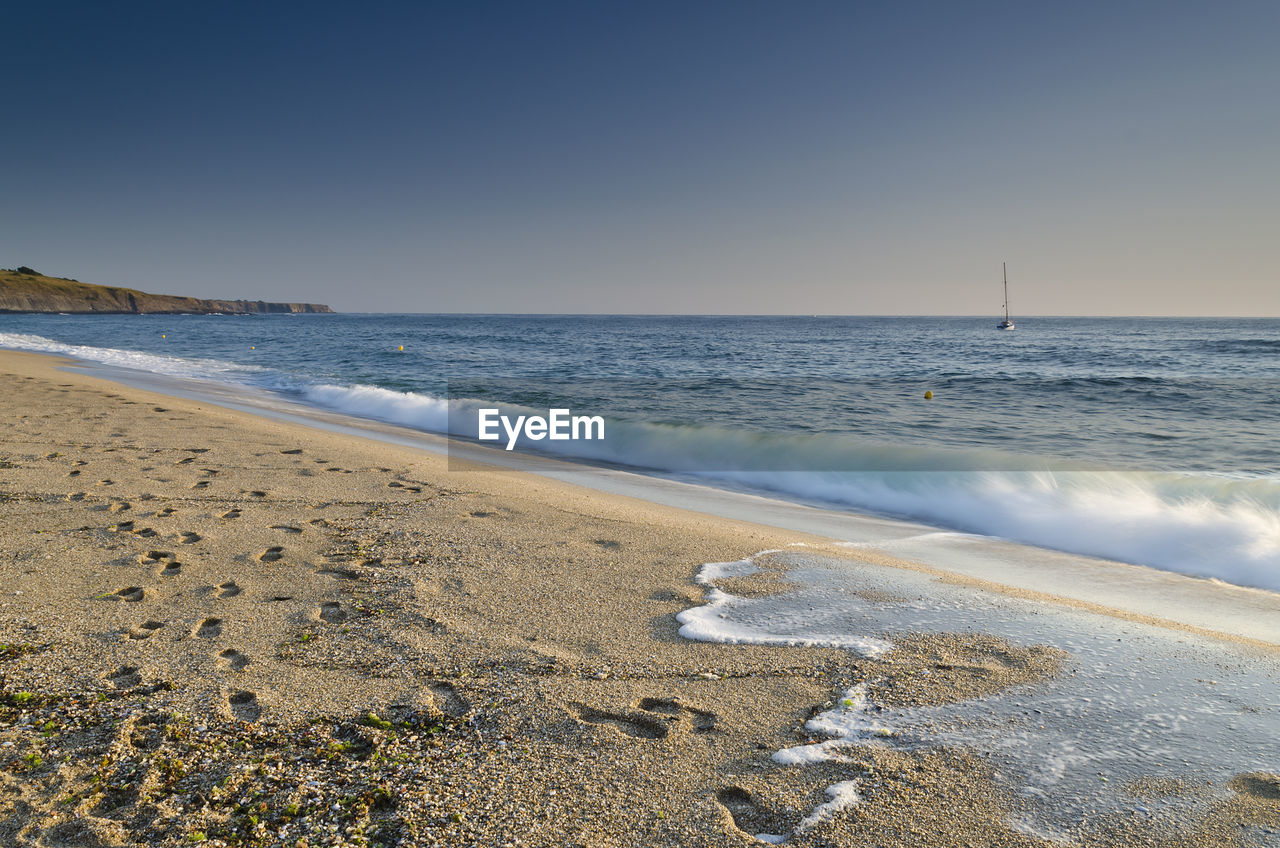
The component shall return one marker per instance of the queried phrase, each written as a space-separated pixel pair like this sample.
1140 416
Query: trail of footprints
242 704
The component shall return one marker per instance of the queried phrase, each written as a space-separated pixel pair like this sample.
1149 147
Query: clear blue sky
811 157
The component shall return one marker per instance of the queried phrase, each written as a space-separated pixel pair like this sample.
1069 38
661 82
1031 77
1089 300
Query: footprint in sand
189 538
233 659
122 527
210 628
748 815
124 677
153 557
639 725
132 593
145 533
166 512
203 484
273 554
245 706
258 493
105 483
1261 785
230 514
284 528
75 473
228 589
701 721
339 573
294 451
145 629
171 569
331 612
186 461
448 700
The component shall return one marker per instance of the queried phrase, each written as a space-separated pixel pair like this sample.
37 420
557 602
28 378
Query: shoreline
362 608
1176 521
1130 591
1157 526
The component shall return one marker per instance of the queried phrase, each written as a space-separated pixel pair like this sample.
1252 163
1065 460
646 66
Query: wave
170 366
1214 527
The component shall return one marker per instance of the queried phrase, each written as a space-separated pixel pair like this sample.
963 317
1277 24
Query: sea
1151 441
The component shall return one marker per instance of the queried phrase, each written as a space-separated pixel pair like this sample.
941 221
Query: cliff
25 290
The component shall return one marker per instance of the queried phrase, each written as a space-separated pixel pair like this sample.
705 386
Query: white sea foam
843 794
1153 703
152 363
849 723
713 571
726 618
410 409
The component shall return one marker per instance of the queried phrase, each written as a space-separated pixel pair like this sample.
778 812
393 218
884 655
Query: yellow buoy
253 347
928 395
402 347
162 335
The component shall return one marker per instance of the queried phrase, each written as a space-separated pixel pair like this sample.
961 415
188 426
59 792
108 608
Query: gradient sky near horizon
652 157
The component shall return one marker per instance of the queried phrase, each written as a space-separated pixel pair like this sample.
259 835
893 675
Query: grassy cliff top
24 289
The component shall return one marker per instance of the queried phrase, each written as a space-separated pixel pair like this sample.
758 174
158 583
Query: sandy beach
224 629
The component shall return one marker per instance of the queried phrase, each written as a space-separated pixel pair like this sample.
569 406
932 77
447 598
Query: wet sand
224 629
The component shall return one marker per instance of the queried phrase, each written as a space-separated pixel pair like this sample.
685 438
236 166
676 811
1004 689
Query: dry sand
224 629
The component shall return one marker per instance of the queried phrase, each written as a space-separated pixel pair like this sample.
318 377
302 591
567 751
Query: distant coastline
26 290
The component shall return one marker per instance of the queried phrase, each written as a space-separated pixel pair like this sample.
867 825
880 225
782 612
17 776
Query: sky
651 157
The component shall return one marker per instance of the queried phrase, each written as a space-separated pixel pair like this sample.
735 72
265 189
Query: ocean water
1150 441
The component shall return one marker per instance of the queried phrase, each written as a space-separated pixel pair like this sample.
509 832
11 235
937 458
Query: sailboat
1006 324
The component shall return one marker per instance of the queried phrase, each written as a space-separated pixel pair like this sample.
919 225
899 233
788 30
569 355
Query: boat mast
1005 267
